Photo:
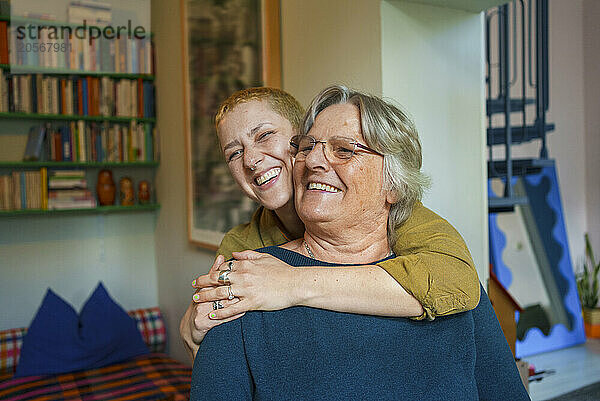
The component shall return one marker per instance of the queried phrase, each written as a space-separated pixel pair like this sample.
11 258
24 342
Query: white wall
591 88
71 254
432 65
567 143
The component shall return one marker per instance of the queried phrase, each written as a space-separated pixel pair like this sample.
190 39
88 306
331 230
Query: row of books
23 190
81 141
46 190
66 50
85 96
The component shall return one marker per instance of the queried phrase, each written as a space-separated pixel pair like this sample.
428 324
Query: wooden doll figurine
144 192
126 191
105 188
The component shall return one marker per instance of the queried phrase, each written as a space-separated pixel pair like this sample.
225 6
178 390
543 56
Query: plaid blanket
149 322
148 377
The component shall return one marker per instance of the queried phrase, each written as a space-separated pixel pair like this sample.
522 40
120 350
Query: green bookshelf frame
96 210
23 69
19 69
90 165
73 117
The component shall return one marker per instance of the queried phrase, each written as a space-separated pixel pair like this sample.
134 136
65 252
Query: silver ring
224 277
217 305
230 265
230 292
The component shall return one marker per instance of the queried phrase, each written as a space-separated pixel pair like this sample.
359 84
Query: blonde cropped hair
280 101
389 131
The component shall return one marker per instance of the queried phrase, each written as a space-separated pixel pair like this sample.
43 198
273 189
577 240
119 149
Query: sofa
153 376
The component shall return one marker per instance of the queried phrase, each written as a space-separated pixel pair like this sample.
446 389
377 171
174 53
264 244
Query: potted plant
587 285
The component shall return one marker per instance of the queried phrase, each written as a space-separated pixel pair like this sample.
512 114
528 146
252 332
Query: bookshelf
96 113
50 164
67 71
71 117
97 210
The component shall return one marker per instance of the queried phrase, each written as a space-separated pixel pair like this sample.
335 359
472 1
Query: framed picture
228 45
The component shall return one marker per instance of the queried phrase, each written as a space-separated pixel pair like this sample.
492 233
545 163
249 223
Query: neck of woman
288 217
351 245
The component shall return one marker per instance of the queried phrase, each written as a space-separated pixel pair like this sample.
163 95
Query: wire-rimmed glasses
338 149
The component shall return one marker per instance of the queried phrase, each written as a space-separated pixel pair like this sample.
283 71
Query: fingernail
196 297
212 315
194 283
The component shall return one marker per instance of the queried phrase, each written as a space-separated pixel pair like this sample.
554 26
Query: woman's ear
392 197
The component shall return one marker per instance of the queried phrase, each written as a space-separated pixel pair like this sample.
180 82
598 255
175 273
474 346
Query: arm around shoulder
434 265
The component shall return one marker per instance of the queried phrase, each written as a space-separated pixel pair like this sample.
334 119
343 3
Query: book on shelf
68 173
75 204
3 42
4 93
6 187
93 12
43 187
16 188
35 142
4 7
70 199
67 179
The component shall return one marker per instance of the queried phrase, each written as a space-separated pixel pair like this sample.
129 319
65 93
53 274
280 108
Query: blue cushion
60 341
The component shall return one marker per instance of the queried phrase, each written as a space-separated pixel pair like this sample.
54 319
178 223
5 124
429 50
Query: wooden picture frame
226 46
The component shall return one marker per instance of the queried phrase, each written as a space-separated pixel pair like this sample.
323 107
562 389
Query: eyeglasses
338 149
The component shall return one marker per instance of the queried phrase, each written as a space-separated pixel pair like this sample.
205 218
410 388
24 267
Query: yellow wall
326 42
178 262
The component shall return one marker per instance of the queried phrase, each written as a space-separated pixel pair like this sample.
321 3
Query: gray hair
388 130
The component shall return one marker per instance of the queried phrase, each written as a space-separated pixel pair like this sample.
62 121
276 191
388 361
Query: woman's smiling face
345 193
255 142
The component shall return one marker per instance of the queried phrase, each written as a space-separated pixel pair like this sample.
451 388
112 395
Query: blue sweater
303 353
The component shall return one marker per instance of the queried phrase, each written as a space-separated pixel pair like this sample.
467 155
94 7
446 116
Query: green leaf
587 279
588 250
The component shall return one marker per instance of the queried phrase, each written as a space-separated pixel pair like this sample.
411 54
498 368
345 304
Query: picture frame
227 45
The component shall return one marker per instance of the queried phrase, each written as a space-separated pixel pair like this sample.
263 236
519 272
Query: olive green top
433 263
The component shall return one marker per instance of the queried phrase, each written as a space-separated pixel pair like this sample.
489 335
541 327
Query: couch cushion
11 341
151 324
60 341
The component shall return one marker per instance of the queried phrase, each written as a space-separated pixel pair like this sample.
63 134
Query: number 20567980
43 47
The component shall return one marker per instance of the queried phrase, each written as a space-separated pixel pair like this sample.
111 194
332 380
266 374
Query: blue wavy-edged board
544 197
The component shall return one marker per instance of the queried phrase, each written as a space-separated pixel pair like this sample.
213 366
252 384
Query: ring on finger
217 305
230 292
224 277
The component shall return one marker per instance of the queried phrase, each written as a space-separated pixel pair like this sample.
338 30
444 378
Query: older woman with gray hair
357 167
